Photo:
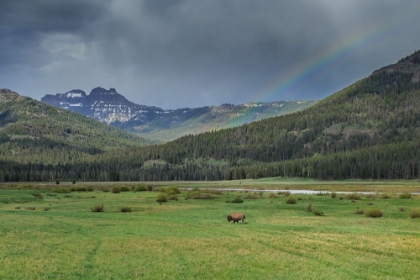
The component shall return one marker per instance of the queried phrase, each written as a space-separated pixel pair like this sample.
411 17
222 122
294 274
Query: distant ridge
160 125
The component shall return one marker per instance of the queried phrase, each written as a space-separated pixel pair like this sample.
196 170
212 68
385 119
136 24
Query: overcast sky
191 53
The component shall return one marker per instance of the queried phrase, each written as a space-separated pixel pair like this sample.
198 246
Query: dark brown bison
235 217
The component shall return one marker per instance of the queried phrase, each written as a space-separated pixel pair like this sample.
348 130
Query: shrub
38 195
141 188
173 190
370 203
57 182
125 189
372 196
203 196
386 196
89 189
149 188
251 196
218 192
359 211
80 189
333 195
286 193
105 190
116 190
318 212
291 200
73 182
98 208
405 195
354 196
125 209
374 213
273 195
237 200
401 209
173 197
309 208
162 198
61 190
321 194
415 213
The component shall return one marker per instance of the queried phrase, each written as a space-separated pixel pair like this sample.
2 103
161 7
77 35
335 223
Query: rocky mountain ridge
108 106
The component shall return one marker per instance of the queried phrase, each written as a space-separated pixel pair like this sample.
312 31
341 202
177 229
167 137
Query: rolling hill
34 132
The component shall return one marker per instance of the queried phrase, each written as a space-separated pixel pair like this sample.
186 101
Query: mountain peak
101 104
408 65
8 95
101 91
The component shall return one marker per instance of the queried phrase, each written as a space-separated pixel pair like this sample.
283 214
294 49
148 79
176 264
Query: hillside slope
367 130
174 124
31 131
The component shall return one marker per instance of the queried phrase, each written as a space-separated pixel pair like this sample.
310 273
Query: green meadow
50 232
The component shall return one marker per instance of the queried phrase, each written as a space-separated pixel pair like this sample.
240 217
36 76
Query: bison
235 217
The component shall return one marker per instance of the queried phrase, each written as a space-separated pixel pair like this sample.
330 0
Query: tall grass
374 213
98 208
415 213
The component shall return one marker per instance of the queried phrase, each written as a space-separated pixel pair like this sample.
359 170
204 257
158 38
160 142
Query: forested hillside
173 124
370 129
33 132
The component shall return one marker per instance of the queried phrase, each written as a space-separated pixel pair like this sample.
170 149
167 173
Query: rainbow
325 60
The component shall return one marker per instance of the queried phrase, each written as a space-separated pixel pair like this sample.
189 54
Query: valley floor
52 233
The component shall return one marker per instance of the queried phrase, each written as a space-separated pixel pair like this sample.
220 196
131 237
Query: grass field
190 238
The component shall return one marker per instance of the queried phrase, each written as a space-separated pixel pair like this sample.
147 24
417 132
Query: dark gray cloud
177 53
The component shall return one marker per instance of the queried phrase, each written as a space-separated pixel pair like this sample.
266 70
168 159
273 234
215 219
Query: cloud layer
188 53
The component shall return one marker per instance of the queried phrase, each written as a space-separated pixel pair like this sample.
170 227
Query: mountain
370 129
106 106
32 131
160 125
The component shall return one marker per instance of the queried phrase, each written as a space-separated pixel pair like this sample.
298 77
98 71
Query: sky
192 53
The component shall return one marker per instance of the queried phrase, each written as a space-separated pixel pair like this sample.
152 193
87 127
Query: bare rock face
107 106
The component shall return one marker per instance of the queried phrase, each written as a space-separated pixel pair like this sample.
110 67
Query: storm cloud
188 53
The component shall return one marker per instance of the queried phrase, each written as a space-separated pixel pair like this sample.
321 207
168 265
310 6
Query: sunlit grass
191 238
